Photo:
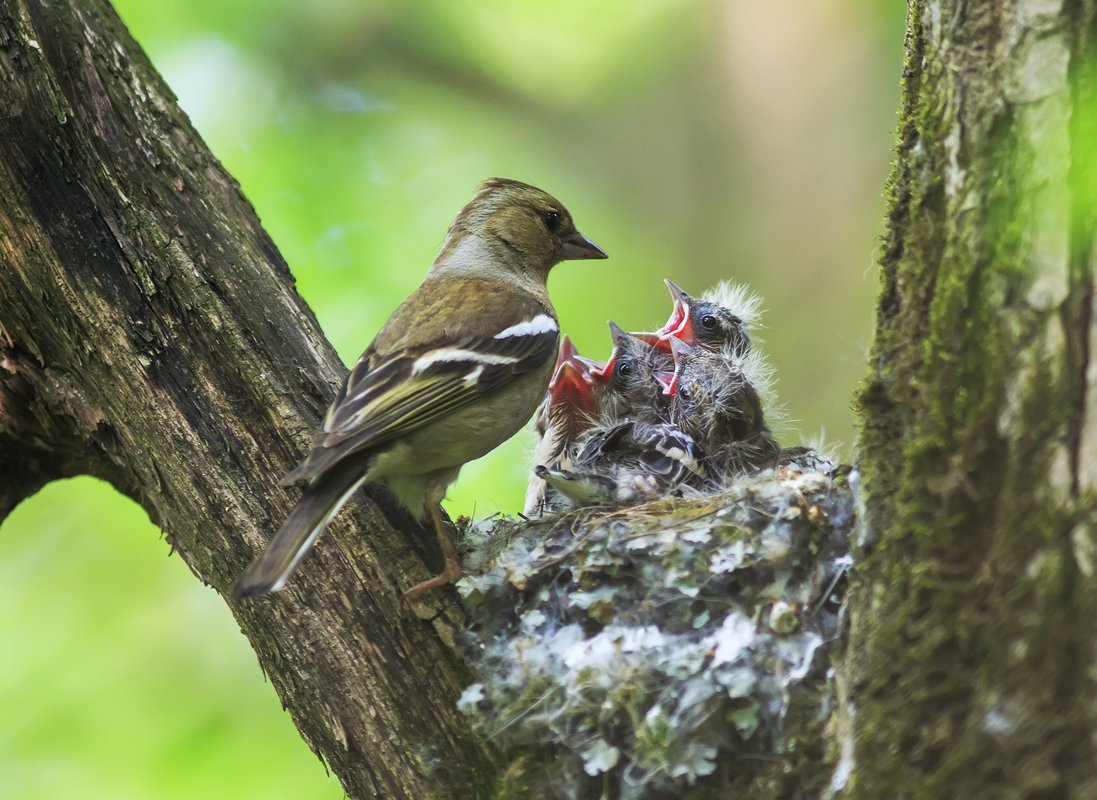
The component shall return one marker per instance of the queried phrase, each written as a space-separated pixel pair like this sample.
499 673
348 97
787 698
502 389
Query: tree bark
150 335
969 665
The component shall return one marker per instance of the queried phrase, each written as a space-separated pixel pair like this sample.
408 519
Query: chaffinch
456 370
718 400
567 411
630 383
629 461
722 317
629 452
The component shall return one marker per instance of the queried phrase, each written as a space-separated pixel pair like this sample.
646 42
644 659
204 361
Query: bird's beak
567 350
622 338
679 325
668 381
577 246
653 339
571 382
602 372
679 350
617 333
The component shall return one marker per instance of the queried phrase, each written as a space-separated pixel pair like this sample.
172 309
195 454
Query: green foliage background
695 140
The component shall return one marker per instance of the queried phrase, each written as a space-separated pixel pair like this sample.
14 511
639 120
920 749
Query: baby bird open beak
679 350
618 334
668 382
567 352
577 246
605 371
651 340
571 382
679 325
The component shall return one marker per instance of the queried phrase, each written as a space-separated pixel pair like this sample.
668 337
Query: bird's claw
450 574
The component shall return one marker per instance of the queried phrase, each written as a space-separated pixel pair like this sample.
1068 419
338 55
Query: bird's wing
388 395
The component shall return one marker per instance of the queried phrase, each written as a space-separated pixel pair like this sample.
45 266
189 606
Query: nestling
718 400
629 451
627 462
567 412
721 385
719 319
456 370
629 384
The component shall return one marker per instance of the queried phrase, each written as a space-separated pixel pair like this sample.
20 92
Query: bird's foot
450 574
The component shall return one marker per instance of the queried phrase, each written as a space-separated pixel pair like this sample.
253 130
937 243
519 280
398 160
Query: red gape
572 380
679 325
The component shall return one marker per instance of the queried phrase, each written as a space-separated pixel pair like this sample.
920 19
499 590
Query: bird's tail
321 501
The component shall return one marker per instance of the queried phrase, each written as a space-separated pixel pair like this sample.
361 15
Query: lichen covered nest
674 649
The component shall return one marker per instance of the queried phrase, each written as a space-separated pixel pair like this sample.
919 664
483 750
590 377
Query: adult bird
456 370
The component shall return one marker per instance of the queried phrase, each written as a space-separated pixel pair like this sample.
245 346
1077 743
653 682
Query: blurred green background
694 140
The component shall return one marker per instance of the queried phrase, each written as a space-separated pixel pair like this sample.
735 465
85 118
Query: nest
676 649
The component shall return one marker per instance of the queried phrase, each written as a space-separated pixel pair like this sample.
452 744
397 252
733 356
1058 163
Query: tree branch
152 337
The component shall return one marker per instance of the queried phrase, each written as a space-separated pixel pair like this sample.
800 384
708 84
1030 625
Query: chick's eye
552 220
625 368
709 322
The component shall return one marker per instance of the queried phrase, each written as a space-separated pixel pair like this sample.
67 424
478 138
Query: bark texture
969 668
150 335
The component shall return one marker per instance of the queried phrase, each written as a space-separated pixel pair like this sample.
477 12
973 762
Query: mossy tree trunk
970 662
150 335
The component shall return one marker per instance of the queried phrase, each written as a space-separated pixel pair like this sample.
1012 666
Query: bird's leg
452 570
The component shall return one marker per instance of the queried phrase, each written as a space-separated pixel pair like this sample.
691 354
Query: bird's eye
625 368
552 220
709 322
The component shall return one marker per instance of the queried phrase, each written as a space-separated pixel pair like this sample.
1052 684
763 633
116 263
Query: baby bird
630 384
458 369
720 381
566 413
630 452
718 400
722 385
629 462
721 318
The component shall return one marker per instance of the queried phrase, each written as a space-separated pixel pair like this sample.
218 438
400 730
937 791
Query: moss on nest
674 649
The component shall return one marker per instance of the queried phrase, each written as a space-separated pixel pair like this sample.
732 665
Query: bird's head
706 322
530 226
629 378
